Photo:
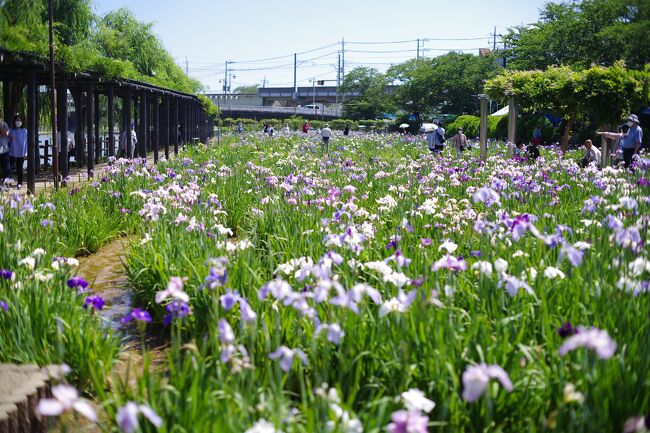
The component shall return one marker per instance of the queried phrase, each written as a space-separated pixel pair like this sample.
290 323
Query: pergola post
188 127
6 99
78 133
175 126
110 139
89 128
31 125
62 113
512 122
37 146
156 126
98 142
604 151
484 126
142 140
126 112
166 125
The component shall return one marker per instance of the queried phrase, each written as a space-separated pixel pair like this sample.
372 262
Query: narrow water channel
105 273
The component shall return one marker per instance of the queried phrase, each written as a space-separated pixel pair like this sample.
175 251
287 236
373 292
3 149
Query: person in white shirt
326 133
134 142
592 155
286 129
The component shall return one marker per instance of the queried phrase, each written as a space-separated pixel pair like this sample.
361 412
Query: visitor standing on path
346 131
18 148
5 167
460 142
134 142
326 133
630 142
439 139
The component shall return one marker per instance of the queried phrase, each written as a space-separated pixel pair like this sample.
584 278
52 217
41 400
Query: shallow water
105 273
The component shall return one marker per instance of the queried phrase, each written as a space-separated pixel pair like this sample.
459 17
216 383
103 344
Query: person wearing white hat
630 142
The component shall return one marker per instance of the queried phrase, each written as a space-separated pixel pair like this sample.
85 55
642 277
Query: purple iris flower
6 274
4 306
78 283
566 330
408 422
95 302
218 277
139 315
47 223
176 309
229 299
475 253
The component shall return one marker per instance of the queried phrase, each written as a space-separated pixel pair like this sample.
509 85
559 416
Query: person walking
630 142
439 139
346 130
460 142
592 155
326 133
134 142
18 148
286 129
5 164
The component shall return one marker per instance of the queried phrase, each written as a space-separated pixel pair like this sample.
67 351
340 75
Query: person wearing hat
630 142
460 142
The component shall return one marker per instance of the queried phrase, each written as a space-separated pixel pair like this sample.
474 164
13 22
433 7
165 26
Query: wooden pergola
162 117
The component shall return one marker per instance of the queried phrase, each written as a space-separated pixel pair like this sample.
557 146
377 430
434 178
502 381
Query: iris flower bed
378 289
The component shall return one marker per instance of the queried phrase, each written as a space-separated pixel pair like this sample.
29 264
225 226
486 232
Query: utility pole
338 84
494 43
187 67
343 59
225 79
295 74
418 55
264 82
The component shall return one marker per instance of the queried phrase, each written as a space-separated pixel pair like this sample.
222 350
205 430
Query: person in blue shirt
18 148
630 142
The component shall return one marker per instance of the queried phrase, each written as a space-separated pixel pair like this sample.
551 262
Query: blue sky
209 32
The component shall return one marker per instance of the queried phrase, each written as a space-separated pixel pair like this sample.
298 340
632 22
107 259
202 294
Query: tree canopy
374 98
446 84
582 33
601 94
115 45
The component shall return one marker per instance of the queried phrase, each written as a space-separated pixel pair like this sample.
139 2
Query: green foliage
114 46
583 33
373 99
604 95
443 84
497 126
247 90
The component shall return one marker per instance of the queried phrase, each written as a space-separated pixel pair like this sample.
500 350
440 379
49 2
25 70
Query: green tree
603 95
445 84
247 90
582 33
373 99
121 36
